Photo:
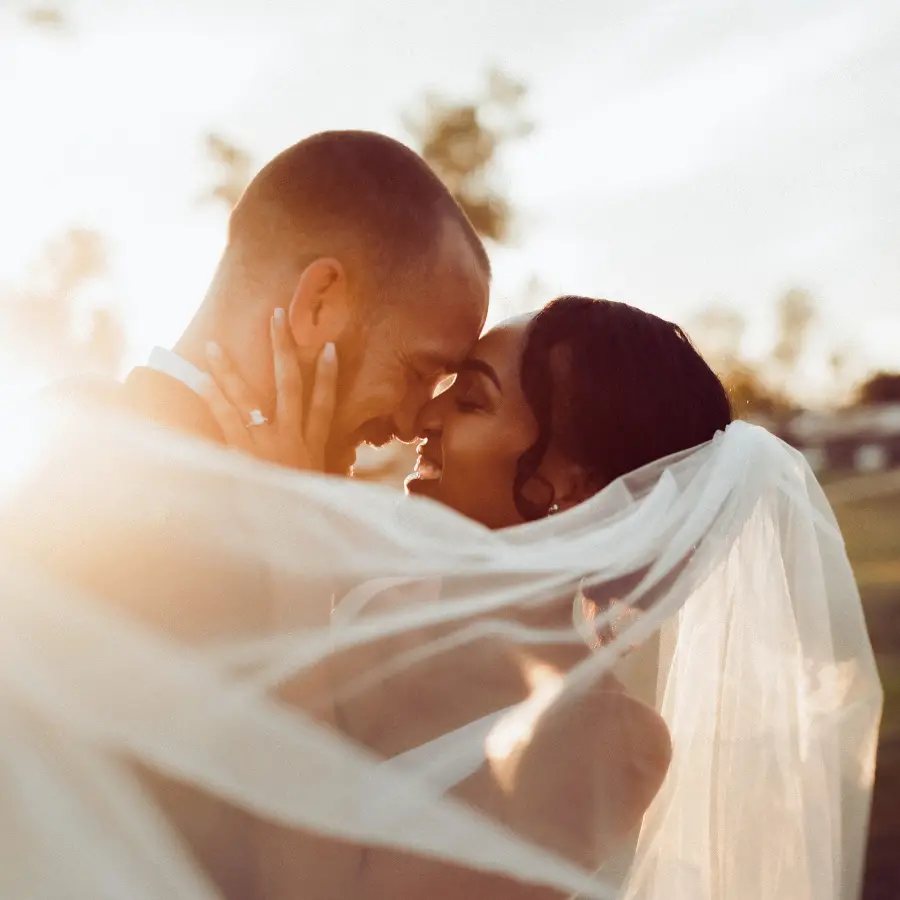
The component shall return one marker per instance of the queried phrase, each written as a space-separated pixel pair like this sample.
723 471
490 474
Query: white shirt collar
171 364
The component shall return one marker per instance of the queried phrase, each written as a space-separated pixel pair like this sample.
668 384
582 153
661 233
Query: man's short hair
357 193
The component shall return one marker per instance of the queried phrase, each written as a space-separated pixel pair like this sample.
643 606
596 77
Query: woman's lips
428 463
427 469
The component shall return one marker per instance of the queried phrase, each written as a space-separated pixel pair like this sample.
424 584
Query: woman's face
476 431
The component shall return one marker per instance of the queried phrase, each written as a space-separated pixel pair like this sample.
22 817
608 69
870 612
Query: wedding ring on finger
256 419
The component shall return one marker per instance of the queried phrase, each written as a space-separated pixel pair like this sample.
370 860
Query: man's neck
255 367
203 328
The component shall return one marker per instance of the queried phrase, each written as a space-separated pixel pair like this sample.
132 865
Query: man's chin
341 463
423 487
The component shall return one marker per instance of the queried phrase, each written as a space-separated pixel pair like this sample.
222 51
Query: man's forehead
444 358
457 273
441 339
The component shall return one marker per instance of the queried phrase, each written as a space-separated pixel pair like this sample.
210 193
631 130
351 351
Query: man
362 247
359 242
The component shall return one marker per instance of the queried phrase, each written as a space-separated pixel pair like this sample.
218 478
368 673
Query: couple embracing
608 645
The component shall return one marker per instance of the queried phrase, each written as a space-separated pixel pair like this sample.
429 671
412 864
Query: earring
554 508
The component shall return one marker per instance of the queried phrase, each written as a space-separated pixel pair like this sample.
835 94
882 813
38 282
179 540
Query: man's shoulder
94 390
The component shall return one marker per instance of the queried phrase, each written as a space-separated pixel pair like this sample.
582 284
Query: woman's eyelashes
467 406
469 399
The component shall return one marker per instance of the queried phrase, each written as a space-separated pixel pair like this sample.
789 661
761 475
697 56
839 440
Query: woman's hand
292 438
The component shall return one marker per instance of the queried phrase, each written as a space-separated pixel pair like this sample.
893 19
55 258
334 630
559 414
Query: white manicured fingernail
279 316
328 353
214 350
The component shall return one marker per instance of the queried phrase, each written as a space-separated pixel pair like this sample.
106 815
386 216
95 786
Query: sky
684 154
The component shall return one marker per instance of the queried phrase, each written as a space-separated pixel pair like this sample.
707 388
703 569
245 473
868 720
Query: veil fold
345 667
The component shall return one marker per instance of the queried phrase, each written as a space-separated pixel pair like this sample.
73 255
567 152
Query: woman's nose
429 420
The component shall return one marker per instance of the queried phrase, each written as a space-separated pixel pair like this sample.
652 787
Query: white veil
374 697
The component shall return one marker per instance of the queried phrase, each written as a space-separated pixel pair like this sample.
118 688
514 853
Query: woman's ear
572 483
319 311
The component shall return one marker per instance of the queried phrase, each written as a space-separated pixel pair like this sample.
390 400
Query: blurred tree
718 332
751 397
882 387
235 170
47 16
461 142
43 315
796 311
839 361
846 367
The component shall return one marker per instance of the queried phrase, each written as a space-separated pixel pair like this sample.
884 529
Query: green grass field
868 510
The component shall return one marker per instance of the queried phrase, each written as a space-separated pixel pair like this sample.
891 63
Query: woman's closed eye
468 406
469 399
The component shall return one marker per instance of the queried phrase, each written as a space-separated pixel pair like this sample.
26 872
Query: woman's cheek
469 461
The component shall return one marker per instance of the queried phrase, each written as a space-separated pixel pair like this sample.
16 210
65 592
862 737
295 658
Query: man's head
356 237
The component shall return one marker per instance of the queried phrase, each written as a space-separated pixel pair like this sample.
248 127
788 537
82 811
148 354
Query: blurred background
730 166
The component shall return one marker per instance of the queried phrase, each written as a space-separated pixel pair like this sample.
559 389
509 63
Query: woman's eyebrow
483 368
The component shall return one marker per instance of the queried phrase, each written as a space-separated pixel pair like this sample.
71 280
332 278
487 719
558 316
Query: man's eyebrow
428 364
483 368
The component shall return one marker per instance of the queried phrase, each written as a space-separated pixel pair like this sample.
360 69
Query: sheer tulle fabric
170 608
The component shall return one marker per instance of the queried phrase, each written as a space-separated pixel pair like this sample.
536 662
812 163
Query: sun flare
25 438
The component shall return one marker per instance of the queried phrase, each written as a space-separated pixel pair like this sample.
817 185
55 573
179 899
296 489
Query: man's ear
319 311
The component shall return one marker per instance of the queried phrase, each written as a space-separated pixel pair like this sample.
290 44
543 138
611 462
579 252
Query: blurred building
860 439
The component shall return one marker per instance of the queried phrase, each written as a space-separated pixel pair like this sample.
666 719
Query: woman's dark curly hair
613 388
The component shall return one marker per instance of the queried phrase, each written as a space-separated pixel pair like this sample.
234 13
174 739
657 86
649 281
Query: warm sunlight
663 169
515 728
260 232
77 161
25 434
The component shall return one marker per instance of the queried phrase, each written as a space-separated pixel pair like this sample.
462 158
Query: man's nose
415 418
406 423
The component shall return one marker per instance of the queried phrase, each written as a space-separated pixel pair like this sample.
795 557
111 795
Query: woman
547 410
551 408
